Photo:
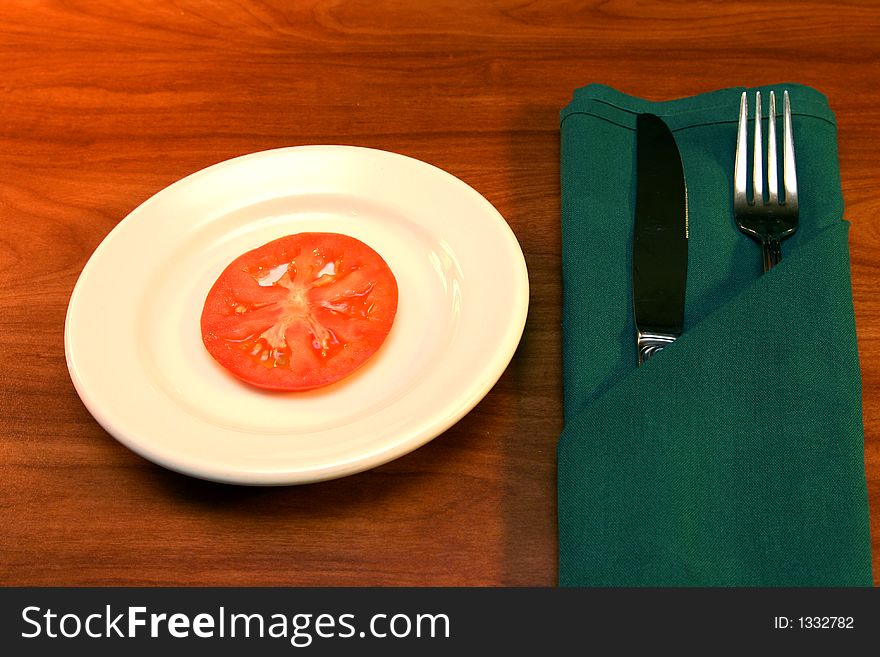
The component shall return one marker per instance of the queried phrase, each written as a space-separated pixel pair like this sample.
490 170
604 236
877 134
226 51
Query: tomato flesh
300 312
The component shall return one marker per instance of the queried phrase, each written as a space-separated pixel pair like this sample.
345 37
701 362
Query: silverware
770 219
660 238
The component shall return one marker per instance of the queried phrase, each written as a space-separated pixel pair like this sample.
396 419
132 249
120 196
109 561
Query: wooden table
104 103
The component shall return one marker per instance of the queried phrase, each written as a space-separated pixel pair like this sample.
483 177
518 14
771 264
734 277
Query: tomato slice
300 312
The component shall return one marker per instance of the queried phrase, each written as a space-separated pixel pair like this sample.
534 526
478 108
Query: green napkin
735 457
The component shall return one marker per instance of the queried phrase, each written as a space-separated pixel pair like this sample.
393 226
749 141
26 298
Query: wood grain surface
105 102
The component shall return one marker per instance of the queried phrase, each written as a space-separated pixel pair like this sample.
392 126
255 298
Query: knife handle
649 344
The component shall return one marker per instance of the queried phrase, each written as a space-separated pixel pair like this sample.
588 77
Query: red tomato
300 312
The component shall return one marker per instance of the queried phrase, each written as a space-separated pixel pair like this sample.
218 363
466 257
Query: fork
770 219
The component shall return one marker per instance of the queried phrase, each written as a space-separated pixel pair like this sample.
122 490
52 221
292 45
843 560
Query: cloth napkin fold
735 457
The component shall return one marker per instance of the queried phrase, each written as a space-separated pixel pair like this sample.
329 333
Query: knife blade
660 238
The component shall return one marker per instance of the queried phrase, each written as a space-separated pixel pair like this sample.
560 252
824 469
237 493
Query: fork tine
788 172
758 170
772 175
771 221
739 166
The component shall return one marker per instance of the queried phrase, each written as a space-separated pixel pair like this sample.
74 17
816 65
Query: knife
660 238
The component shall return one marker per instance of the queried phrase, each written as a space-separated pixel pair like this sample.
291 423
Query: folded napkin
735 457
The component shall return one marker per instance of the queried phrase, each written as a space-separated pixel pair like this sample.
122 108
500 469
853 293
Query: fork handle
771 252
776 251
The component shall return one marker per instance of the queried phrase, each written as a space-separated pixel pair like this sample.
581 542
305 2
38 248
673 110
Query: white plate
133 340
